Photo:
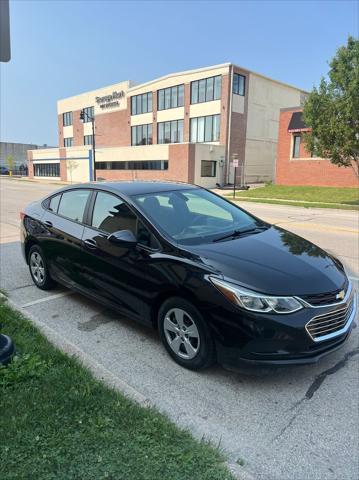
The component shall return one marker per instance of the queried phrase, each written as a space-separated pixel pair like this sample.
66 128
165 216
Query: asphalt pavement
295 423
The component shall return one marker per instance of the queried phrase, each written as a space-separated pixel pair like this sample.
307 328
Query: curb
98 370
103 374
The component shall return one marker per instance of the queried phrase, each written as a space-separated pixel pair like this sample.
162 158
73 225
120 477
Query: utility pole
84 116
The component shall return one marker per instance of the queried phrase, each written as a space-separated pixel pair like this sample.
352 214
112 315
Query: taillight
22 216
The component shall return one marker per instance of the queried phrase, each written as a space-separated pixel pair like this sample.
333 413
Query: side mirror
123 238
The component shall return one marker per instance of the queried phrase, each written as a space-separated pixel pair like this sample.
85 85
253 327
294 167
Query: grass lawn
58 422
326 197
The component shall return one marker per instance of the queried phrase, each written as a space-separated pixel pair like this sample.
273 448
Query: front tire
185 334
39 270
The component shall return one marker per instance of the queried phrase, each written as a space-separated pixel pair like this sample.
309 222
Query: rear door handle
48 223
90 243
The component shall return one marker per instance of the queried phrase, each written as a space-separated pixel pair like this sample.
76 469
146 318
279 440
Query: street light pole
91 118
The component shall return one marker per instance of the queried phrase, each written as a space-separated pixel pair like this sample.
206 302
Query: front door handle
90 243
48 223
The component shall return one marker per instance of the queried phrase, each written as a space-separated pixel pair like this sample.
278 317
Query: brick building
296 166
186 126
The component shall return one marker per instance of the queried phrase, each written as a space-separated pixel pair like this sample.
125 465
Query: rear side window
54 203
73 203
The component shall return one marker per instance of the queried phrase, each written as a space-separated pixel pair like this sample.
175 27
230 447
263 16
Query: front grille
325 298
331 322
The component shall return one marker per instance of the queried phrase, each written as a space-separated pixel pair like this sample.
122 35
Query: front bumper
264 340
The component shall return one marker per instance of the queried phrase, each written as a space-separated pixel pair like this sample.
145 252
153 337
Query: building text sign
109 101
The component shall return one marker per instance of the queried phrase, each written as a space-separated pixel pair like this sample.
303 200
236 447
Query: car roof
135 187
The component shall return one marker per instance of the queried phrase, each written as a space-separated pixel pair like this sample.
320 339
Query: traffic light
82 115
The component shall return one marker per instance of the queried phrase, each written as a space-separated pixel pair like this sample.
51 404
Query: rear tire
39 270
185 334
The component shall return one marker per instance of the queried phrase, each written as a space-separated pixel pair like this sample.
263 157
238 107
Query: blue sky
62 48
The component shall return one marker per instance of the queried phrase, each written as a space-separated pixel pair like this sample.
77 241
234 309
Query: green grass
58 422
322 197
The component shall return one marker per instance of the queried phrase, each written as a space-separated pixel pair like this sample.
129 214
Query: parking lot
294 423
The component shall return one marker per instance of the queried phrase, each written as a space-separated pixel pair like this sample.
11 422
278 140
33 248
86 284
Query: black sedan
217 282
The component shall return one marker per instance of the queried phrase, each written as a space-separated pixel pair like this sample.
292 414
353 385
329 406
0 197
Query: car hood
275 262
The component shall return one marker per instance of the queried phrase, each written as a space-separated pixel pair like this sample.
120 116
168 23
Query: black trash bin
7 349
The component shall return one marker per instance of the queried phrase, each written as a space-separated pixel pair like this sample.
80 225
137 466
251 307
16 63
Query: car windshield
194 216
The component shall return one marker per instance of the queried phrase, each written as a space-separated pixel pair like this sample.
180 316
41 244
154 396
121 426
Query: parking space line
47 299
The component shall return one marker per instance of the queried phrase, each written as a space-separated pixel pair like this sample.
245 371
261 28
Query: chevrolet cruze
216 282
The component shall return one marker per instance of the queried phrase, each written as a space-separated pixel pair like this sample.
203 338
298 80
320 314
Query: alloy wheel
181 333
37 268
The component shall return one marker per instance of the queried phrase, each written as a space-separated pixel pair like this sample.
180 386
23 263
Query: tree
71 166
10 163
331 111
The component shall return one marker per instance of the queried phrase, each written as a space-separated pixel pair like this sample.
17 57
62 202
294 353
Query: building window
239 83
141 135
170 132
67 119
133 165
141 103
171 97
205 129
208 168
89 113
88 140
68 142
206 90
46 169
296 146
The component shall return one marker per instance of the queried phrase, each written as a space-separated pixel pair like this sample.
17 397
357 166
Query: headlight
256 302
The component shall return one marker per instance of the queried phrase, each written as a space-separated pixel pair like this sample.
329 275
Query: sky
63 48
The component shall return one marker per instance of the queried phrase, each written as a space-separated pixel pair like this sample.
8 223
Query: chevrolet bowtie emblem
340 295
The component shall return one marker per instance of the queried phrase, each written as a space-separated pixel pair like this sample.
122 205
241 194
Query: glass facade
205 129
208 168
206 89
88 140
141 103
141 135
171 97
170 132
46 169
89 112
68 142
239 84
133 165
67 119
296 146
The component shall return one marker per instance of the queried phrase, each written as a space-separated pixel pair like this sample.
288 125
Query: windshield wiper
238 233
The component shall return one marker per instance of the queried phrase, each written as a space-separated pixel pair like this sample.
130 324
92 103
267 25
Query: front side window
68 142
239 84
141 103
111 214
205 129
141 134
206 89
170 132
193 216
296 146
67 119
208 168
73 203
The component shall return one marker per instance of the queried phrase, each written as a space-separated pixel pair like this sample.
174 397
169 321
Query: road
299 423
